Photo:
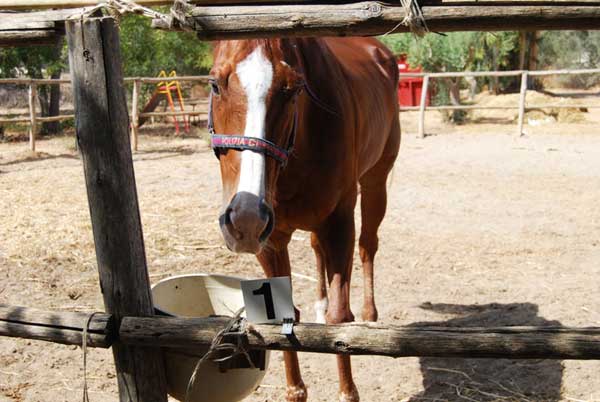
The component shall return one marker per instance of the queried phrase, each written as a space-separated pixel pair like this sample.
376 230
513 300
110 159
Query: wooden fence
136 82
522 107
104 142
353 338
34 120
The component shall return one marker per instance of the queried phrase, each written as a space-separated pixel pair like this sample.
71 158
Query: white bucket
202 295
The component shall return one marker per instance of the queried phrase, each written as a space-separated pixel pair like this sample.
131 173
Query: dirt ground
482 230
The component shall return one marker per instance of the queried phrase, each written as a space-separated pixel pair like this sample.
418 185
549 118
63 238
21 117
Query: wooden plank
376 339
59 327
56 118
58 4
27 81
422 106
374 18
15 120
102 128
11 20
156 80
37 37
363 18
353 338
186 113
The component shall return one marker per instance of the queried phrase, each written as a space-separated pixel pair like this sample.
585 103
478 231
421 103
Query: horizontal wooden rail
376 339
164 114
354 339
59 327
156 80
475 107
375 18
29 81
217 19
57 4
508 73
10 120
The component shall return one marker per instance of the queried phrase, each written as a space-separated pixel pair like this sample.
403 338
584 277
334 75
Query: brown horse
298 125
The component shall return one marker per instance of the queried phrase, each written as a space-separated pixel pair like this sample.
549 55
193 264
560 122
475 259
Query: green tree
571 49
147 51
38 62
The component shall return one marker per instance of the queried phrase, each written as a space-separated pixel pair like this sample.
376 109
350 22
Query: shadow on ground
451 379
29 156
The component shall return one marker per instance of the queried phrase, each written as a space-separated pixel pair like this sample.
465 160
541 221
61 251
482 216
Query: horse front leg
322 302
275 261
336 238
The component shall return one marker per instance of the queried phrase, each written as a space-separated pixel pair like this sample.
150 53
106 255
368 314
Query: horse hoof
350 397
296 393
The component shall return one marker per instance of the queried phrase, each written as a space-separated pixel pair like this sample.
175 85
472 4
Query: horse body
334 150
345 132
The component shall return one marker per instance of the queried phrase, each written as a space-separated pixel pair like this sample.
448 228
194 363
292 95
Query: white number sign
268 301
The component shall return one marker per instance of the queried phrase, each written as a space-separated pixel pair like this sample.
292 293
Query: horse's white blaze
255 73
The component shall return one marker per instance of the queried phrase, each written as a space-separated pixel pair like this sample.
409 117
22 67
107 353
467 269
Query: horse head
252 121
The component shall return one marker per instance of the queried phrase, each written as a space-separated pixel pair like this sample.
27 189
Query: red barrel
410 88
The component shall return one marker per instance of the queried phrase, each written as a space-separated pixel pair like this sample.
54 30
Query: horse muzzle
246 223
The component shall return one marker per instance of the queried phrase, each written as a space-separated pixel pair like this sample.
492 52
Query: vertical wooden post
135 121
522 104
103 138
32 115
422 106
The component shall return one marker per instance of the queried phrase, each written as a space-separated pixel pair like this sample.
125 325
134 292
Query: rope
237 328
413 18
117 8
84 341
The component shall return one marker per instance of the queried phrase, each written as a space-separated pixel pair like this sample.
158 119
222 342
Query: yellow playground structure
167 90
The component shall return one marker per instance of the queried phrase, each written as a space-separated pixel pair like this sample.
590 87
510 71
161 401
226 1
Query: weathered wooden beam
59 327
36 37
61 4
376 339
313 18
19 29
374 18
355 338
102 127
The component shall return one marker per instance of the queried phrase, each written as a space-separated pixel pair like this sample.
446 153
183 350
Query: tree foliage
147 51
571 49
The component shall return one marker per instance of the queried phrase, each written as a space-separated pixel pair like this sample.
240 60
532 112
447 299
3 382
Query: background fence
521 107
34 120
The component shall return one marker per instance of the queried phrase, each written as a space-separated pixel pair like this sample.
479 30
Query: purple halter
243 143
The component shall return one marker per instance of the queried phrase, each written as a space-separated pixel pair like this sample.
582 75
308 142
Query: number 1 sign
268 301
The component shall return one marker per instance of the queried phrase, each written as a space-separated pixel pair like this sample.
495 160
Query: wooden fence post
103 138
422 106
135 121
32 115
522 104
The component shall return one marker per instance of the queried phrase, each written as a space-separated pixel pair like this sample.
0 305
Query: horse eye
214 87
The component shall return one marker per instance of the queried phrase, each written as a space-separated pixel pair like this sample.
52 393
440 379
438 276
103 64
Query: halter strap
247 143
242 143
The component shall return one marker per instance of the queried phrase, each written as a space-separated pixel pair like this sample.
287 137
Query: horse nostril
225 220
270 220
